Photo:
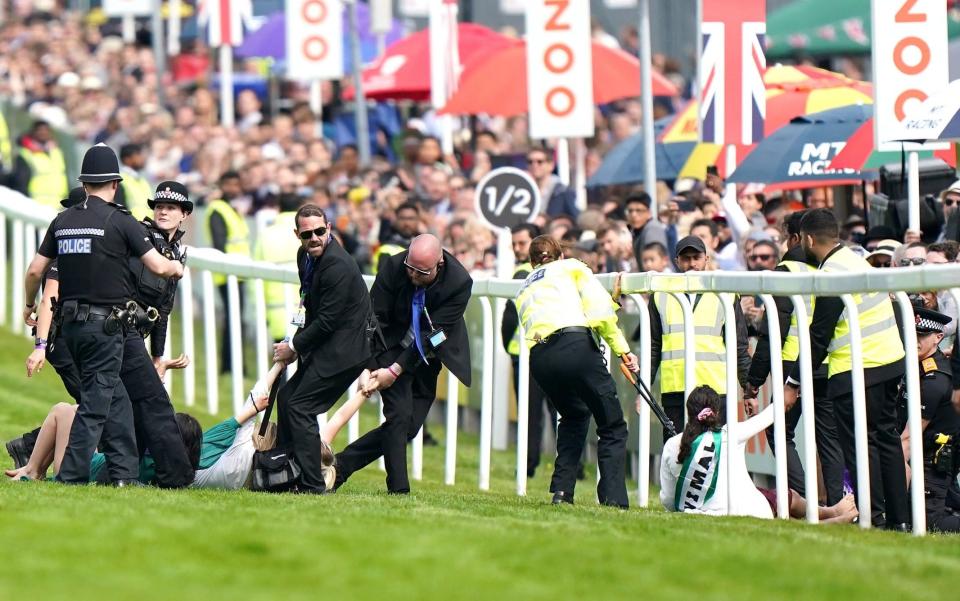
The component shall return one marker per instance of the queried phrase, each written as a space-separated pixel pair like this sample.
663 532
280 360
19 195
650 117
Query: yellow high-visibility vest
565 294
278 244
238 233
384 249
6 146
48 177
513 347
880 340
710 358
136 191
791 344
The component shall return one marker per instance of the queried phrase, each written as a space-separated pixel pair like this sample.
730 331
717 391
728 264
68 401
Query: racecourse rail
25 222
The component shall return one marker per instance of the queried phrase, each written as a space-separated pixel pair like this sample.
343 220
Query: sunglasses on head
307 234
418 270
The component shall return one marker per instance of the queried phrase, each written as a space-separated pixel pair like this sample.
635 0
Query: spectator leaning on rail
882 351
562 308
939 422
828 445
709 320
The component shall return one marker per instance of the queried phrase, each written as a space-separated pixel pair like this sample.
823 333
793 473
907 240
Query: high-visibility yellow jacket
709 347
791 344
384 250
880 340
238 233
6 145
565 294
136 191
278 244
521 271
48 176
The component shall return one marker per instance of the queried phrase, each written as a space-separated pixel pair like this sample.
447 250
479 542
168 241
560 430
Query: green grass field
439 543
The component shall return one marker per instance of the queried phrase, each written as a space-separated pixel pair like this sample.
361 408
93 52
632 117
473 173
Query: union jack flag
731 67
225 20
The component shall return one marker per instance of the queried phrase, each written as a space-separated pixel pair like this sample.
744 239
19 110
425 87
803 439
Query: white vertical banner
120 8
910 61
444 62
314 39
381 16
559 69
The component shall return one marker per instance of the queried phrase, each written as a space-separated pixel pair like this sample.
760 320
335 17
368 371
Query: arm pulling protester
795 260
939 422
562 308
666 337
883 355
92 243
419 298
332 342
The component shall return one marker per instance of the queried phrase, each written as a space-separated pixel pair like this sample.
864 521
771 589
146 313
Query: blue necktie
419 296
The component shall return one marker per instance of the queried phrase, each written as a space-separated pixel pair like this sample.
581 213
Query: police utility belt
944 458
561 331
115 318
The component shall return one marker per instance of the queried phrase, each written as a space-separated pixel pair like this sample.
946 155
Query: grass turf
438 543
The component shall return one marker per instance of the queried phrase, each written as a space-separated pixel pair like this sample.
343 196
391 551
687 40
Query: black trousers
537 403
405 408
104 414
888 487
940 518
570 369
828 443
59 358
226 358
299 402
153 416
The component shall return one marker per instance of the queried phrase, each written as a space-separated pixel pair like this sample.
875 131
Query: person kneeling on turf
693 468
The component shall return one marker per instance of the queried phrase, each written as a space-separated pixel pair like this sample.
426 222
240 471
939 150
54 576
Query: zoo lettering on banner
559 69
910 60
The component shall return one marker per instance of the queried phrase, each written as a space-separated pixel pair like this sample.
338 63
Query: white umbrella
936 118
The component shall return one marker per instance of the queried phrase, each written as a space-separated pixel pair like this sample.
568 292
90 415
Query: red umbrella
497 84
860 153
402 72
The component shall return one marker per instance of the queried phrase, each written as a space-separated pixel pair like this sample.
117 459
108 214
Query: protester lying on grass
222 455
693 470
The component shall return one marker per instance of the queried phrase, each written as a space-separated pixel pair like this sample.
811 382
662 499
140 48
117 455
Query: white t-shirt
233 467
746 499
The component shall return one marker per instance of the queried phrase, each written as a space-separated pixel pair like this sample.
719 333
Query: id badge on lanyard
300 315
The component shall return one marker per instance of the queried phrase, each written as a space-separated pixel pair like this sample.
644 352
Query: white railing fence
26 221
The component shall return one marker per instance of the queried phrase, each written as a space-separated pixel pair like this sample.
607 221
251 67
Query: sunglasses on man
320 232
418 270
909 262
760 257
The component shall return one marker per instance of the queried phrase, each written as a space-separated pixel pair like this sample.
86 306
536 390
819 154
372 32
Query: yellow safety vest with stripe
277 244
880 339
238 234
565 294
384 249
791 344
709 347
6 146
48 177
513 347
136 191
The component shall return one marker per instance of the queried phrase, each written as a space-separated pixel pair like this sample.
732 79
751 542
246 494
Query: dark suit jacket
334 336
446 300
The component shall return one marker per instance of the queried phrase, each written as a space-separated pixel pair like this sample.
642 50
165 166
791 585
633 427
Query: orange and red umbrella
402 72
497 84
860 152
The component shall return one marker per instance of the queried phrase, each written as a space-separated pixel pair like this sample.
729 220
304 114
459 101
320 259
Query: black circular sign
507 197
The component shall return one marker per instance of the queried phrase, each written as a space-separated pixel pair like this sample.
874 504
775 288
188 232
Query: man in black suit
419 298
332 341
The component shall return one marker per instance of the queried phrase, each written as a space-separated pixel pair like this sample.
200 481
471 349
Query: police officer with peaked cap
154 418
92 242
939 421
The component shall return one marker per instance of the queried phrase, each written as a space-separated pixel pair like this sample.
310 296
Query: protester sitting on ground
693 468
222 456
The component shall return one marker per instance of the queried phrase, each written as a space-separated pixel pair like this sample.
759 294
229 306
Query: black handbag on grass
274 470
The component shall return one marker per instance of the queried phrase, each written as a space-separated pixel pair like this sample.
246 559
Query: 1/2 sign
507 197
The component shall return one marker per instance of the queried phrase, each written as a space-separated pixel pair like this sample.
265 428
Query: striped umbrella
792 91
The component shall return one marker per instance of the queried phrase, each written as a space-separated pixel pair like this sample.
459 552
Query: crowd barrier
26 222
